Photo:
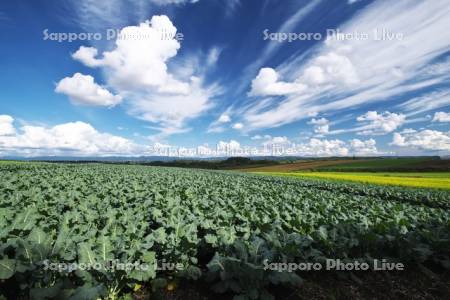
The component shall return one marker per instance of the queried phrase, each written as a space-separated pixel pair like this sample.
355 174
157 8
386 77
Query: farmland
409 172
439 180
400 164
221 227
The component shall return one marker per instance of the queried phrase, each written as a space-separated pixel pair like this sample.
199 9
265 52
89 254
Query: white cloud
232 145
238 126
82 139
425 140
219 124
441 117
81 89
168 2
429 101
256 137
280 145
321 121
138 70
321 126
213 56
267 84
87 55
343 74
331 68
139 63
317 147
224 118
6 125
97 16
363 148
322 129
74 138
379 124
231 7
288 26
277 141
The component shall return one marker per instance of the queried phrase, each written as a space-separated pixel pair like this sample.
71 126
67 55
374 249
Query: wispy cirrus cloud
272 47
375 70
426 102
92 15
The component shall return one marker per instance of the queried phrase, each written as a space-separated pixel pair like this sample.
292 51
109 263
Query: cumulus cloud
380 123
137 69
232 145
82 139
81 89
140 63
277 141
317 147
363 148
267 84
219 124
74 138
224 118
238 126
282 146
6 125
441 117
425 140
331 68
321 126
323 147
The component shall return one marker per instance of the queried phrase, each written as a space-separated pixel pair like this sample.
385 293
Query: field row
220 226
440 180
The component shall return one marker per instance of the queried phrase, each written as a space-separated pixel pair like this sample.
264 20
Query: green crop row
221 227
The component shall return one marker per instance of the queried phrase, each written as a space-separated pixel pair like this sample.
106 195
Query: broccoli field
62 227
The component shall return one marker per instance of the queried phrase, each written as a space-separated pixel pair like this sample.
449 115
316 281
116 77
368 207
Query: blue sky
244 76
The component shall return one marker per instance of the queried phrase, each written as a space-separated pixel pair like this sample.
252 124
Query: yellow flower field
424 180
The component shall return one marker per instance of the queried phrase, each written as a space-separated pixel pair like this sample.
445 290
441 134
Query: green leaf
142 275
211 239
149 257
37 236
86 255
105 248
87 292
45 293
7 268
323 232
159 235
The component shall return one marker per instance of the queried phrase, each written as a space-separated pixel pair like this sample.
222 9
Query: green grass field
440 180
